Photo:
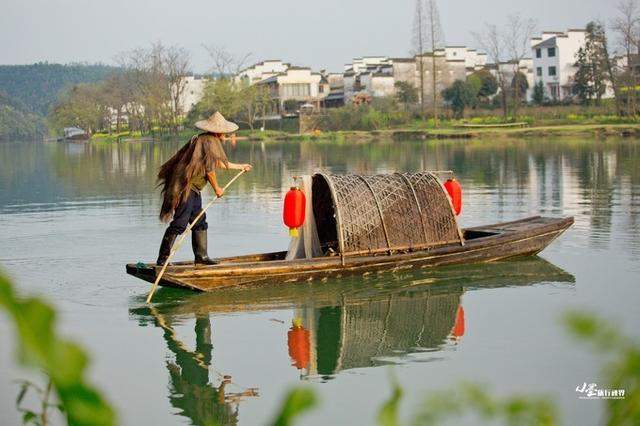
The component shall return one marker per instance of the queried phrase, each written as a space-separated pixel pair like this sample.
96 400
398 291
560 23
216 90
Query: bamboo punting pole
177 245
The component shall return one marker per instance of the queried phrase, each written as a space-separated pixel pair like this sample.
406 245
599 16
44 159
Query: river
72 215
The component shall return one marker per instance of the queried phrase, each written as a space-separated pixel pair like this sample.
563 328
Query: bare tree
146 71
517 34
224 63
627 27
511 43
419 43
435 39
492 42
176 64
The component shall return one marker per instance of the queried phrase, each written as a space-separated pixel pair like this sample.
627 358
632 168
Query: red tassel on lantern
455 193
293 212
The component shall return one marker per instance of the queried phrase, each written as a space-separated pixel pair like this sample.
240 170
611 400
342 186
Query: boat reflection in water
339 324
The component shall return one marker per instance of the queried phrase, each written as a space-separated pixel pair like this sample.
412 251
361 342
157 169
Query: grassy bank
601 130
421 130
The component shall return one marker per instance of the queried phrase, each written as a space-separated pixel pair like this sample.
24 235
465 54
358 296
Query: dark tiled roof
272 79
550 42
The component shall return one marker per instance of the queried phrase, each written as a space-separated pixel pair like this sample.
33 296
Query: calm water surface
72 215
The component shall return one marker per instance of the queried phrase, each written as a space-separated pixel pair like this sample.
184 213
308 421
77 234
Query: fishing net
356 214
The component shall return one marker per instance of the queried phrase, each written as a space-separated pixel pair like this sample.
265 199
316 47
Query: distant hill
17 122
36 87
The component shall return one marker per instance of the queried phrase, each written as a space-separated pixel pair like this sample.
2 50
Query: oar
177 245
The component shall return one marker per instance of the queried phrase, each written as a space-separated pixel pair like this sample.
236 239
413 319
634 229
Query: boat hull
482 244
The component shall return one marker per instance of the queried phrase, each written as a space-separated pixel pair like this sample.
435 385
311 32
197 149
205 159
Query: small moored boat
368 223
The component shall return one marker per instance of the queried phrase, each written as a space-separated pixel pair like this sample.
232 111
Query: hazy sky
321 34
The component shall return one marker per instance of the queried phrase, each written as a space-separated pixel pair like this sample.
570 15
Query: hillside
36 87
17 122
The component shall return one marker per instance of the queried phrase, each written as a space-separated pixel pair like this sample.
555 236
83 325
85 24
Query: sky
322 34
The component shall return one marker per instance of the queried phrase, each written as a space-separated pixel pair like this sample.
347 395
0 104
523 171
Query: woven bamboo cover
391 212
377 329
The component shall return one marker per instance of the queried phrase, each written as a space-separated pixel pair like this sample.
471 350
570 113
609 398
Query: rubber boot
199 244
165 247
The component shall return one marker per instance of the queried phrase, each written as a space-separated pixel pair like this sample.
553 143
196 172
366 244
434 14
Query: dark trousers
186 212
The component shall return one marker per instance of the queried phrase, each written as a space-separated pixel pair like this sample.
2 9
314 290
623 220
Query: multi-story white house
298 84
262 70
554 58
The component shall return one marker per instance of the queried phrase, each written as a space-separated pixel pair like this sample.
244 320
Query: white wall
566 46
193 92
301 76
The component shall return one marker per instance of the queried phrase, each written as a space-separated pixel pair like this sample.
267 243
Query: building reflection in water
340 324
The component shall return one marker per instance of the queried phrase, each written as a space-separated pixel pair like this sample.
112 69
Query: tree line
147 94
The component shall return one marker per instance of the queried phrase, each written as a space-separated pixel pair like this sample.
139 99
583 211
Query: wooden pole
177 245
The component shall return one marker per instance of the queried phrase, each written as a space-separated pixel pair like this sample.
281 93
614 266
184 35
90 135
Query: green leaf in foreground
388 414
297 402
40 347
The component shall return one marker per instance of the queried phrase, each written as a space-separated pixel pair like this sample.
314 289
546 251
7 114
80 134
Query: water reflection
202 400
337 325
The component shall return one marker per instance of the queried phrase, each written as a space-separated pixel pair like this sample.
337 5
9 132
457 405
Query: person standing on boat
183 177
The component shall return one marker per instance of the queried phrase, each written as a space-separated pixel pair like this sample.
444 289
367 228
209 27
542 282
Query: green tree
475 83
459 95
591 79
253 101
240 101
83 106
406 93
538 93
489 84
218 95
520 85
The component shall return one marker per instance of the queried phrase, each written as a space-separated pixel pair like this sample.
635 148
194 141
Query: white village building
192 93
261 71
554 58
297 84
377 75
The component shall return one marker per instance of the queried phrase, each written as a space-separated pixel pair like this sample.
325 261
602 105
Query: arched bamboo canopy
358 214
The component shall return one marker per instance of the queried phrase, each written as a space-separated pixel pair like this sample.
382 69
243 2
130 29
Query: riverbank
597 130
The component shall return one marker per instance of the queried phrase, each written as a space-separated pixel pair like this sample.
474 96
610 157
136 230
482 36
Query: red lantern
299 346
455 193
458 328
294 210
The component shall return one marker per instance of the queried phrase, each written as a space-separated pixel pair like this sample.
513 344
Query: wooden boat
368 223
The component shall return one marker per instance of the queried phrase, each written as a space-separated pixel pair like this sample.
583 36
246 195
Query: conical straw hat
217 124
